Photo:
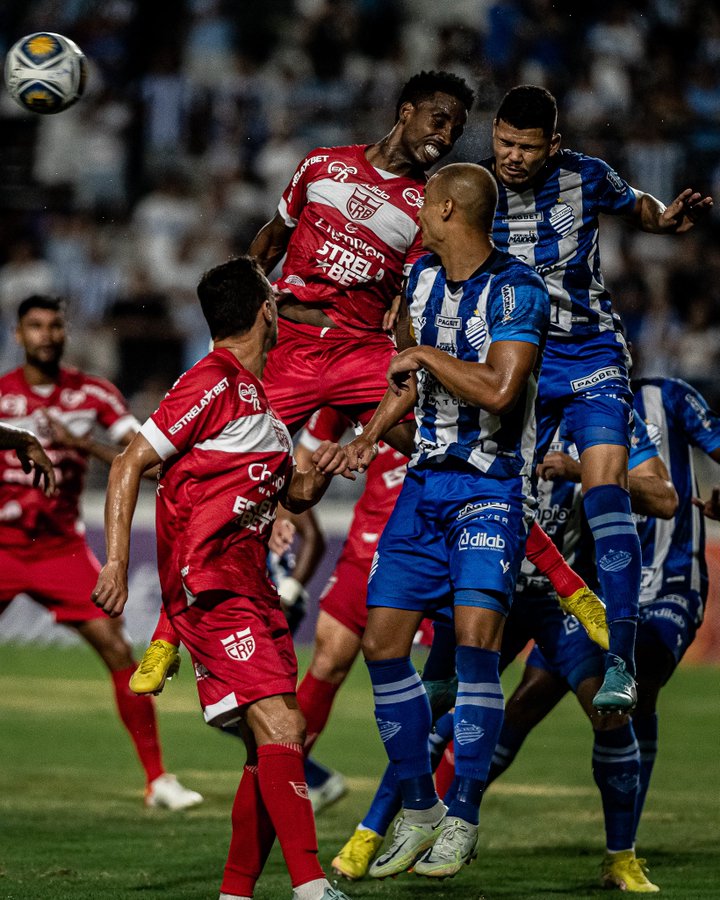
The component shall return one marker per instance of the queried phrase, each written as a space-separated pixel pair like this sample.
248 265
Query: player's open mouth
432 151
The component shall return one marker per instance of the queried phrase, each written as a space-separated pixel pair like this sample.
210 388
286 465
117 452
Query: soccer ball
45 72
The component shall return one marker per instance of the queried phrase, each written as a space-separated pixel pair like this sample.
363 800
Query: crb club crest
239 646
361 206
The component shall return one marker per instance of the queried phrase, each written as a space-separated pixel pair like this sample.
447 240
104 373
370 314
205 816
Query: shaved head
472 190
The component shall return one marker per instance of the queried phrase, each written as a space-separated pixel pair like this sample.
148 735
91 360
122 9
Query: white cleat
167 792
455 847
329 792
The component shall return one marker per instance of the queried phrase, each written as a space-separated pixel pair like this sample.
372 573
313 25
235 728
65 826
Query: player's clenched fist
111 590
360 452
330 459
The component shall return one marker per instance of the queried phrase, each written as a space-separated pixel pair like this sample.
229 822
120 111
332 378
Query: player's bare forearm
270 243
308 486
651 491
312 546
392 409
651 215
494 385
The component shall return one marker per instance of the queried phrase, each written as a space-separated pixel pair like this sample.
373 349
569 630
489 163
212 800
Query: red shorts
241 649
59 574
313 367
344 597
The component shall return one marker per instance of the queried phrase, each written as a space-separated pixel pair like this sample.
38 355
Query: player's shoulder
514 270
73 378
592 169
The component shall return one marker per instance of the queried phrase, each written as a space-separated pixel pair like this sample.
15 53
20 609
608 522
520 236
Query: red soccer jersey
226 459
383 482
356 233
80 402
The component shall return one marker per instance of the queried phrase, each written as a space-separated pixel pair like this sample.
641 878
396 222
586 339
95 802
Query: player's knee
325 666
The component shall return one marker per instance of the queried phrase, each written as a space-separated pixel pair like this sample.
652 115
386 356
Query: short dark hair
423 85
40 301
231 295
529 106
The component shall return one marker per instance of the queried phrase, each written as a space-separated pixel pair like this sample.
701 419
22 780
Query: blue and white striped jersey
678 419
504 300
560 512
553 227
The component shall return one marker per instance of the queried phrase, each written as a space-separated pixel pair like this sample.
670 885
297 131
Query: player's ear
447 209
555 143
405 111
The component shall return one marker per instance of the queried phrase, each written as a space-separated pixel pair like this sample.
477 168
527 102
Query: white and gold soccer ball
45 72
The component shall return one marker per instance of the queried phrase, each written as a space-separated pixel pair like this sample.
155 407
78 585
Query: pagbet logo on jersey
239 646
361 206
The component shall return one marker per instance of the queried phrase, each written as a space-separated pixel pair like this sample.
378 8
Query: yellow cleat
160 661
354 859
589 610
623 871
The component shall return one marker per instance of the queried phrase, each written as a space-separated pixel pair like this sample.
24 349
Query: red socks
138 716
542 553
252 837
315 699
285 795
445 772
165 630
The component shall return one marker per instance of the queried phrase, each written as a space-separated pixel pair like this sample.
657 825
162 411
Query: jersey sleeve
415 252
700 423
198 406
641 445
112 412
520 310
613 195
294 196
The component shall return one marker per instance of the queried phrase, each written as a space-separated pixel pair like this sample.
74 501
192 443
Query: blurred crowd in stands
197 112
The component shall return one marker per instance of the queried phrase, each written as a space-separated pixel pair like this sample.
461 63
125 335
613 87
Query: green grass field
73 824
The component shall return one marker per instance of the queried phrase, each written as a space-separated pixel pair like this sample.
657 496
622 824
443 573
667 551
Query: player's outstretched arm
31 455
689 207
127 469
270 243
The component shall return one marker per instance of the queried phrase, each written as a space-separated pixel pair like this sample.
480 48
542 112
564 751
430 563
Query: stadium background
197 112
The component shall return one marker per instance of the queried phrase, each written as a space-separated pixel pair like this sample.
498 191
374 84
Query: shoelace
152 657
448 835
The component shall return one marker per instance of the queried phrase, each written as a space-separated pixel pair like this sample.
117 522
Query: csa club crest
361 206
239 646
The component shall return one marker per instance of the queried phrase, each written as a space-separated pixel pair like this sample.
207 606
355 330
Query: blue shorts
453 530
587 386
562 646
670 622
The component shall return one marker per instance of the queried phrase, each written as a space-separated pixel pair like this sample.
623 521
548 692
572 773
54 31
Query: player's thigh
344 597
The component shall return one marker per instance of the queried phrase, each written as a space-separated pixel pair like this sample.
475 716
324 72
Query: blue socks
619 563
646 731
478 719
616 769
403 717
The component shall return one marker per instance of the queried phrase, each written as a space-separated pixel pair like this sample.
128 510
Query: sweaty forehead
509 132
443 104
